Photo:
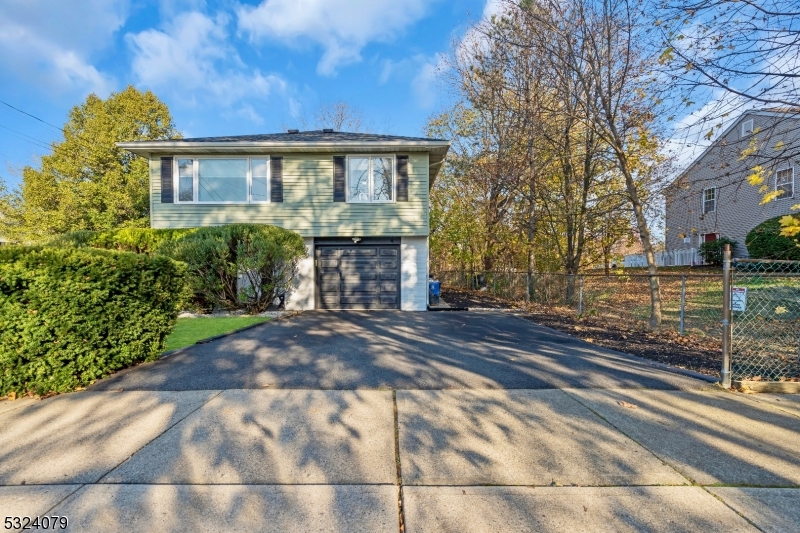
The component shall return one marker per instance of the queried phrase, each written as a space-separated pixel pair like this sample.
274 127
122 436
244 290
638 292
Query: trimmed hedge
766 242
137 240
71 316
233 266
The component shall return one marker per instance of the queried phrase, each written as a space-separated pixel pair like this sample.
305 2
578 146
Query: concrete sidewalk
439 460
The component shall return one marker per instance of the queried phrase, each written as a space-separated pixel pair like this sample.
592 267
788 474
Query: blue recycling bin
434 288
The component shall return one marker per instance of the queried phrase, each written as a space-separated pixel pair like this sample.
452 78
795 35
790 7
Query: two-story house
712 198
360 201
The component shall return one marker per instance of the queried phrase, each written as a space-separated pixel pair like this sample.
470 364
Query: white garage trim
413 273
301 297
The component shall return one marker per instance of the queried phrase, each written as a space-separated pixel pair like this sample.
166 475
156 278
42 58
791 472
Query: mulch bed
697 353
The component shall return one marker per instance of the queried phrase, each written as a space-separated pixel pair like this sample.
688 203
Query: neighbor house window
220 180
784 182
709 200
747 127
370 179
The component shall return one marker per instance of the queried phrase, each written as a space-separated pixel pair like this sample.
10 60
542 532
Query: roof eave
150 147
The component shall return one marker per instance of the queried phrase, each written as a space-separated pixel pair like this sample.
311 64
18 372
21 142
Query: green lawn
190 330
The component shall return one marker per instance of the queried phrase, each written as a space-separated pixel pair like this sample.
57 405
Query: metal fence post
580 295
527 287
683 303
725 374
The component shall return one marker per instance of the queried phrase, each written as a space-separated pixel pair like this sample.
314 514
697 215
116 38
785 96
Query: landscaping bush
766 242
711 252
137 240
70 316
238 265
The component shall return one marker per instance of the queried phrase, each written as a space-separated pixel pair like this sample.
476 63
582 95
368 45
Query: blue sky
224 68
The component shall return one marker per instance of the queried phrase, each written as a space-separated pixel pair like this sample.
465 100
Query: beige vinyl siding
308 207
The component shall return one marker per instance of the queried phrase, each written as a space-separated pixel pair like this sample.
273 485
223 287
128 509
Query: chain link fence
765 320
691 303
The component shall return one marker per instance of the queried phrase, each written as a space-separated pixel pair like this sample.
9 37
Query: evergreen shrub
712 252
766 242
72 315
238 265
137 240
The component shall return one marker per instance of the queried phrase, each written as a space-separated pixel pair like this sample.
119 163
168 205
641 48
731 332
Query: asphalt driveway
396 350
409 422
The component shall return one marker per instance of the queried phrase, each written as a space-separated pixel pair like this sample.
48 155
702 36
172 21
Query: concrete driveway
382 421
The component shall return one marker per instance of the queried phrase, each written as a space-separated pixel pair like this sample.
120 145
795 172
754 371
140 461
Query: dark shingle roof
310 136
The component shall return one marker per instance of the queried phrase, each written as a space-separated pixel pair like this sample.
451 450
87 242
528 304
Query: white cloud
187 57
342 27
50 43
425 82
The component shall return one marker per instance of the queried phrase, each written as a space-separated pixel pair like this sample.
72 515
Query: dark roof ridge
310 136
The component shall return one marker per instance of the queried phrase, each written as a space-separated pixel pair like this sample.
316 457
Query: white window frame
370 157
196 179
703 201
791 181
747 131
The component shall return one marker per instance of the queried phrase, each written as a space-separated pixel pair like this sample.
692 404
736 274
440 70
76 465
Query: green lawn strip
190 330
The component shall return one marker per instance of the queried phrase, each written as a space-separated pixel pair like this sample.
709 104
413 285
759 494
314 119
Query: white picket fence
686 257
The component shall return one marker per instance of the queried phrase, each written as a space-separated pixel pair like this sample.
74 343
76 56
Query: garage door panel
360 252
360 290
358 277
354 265
332 287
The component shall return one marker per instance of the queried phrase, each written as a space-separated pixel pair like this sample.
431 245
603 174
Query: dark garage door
361 276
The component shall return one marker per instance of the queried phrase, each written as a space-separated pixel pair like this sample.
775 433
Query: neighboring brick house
712 197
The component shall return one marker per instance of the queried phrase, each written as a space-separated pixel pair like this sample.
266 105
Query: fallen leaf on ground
12 396
628 405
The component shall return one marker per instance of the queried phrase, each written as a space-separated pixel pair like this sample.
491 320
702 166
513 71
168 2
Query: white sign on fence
738 298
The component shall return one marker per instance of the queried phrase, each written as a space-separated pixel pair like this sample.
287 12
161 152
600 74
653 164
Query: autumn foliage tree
87 183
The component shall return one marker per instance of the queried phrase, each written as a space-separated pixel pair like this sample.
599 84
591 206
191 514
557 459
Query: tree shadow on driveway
396 350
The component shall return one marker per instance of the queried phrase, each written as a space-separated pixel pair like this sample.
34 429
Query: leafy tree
87 183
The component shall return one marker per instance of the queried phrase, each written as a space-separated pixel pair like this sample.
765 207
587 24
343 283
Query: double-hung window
222 180
370 179
784 182
709 200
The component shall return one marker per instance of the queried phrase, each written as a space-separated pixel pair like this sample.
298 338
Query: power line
43 143
36 144
32 116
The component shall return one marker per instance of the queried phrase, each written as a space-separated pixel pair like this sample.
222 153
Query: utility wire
43 143
32 116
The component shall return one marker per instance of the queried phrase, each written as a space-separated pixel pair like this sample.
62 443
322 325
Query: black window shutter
338 179
167 196
402 178
276 179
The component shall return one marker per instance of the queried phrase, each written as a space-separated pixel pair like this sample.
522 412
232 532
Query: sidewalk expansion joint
159 435
399 478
